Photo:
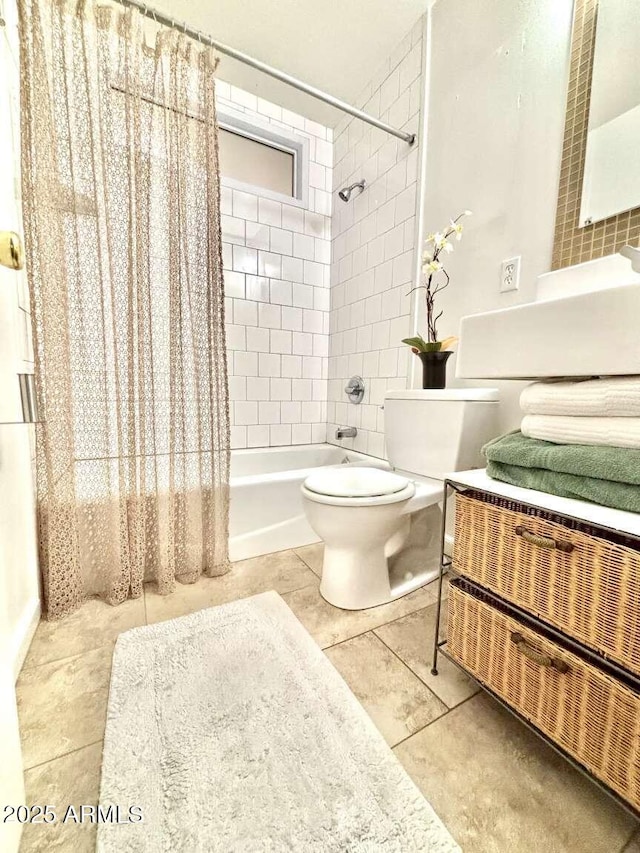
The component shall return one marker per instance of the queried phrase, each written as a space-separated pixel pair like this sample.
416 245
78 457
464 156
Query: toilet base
338 588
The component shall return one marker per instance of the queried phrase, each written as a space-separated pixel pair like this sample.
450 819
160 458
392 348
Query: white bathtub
266 505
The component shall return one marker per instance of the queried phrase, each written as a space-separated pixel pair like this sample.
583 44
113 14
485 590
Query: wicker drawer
588 713
584 585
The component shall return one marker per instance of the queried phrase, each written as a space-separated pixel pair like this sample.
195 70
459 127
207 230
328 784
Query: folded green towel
609 476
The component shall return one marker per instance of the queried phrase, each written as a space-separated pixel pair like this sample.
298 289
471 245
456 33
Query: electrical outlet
510 275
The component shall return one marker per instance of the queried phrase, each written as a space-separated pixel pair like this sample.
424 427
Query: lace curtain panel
122 226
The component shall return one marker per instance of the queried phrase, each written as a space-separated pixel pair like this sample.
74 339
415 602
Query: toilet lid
355 482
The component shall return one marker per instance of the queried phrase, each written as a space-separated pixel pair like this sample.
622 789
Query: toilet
382 527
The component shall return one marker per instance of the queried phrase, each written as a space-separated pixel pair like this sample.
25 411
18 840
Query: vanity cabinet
543 610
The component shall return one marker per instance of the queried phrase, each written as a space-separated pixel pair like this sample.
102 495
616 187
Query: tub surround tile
283 571
73 779
411 638
395 699
498 787
329 625
276 262
93 625
62 705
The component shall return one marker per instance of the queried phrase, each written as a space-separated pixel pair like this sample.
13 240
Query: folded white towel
615 396
613 432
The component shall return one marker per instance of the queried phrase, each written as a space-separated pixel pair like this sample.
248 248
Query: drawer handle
544 541
537 657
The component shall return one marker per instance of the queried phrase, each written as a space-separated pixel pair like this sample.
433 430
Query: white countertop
615 519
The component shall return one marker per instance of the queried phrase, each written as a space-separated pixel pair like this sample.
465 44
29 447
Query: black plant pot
434 368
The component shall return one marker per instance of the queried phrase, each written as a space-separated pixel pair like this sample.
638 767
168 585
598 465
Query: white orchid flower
427 257
457 229
447 246
434 266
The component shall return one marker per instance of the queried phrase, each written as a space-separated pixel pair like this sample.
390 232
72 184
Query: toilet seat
357 486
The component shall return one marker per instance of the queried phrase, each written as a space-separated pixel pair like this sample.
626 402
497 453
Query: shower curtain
122 228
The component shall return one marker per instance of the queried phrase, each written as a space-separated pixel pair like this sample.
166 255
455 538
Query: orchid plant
435 279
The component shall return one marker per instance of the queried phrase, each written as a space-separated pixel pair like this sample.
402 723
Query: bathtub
266 512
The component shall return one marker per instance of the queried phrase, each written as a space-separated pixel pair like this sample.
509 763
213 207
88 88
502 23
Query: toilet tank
434 432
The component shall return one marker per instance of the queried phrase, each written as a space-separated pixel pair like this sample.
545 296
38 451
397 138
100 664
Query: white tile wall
373 247
277 277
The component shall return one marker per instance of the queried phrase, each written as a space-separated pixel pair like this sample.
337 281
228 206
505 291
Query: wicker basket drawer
588 713
586 586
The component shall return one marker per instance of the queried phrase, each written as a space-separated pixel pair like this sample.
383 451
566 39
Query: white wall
276 259
19 590
373 246
496 118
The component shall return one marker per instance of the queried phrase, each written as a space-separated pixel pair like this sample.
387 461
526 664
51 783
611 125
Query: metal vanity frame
452 487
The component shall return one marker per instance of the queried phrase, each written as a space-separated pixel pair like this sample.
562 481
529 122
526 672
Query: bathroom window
261 159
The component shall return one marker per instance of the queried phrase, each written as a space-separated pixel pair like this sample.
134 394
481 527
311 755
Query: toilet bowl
364 517
382 528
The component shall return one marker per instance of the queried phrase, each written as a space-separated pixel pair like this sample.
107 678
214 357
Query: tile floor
494 784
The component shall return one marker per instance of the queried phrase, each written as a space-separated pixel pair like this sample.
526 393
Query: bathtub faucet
346 432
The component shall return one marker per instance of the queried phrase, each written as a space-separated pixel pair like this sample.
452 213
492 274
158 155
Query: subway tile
292 318
270 212
245 313
236 338
232 229
302 389
234 284
245 412
238 437
302 343
257 288
269 264
321 298
244 98
245 363
290 412
226 203
291 366
300 433
257 339
312 320
292 218
258 388
280 341
281 241
292 268
268 364
281 389
406 203
257 436
269 412
303 246
280 434
245 205
257 235
281 292
311 367
269 109
269 316
227 256
302 295
313 273
245 260
237 388
394 242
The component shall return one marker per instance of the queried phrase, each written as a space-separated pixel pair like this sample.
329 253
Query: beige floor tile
634 845
500 789
282 571
313 556
73 780
95 624
397 702
62 705
329 625
411 638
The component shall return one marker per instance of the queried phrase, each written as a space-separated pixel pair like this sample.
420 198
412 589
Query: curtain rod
160 18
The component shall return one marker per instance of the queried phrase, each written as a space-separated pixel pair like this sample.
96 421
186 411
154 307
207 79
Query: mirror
611 182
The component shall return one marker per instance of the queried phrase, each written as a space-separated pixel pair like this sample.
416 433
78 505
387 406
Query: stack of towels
578 439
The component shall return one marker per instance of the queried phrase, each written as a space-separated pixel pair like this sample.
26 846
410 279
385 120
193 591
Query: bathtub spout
346 432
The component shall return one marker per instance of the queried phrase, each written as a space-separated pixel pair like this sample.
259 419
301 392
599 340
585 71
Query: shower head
345 193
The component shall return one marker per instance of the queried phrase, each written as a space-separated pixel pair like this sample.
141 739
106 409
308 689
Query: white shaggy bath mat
231 731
